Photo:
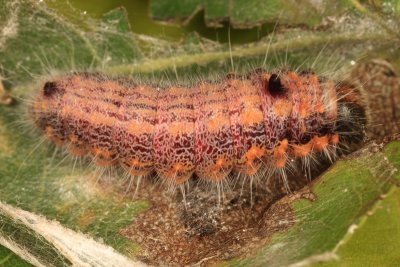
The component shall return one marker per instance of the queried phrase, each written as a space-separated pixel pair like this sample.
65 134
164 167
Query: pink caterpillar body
238 124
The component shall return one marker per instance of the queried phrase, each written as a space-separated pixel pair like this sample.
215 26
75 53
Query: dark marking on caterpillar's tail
49 89
275 86
256 124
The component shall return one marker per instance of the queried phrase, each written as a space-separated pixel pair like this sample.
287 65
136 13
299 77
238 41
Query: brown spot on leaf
198 230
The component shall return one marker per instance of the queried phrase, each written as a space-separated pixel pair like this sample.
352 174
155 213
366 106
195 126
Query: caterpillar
256 125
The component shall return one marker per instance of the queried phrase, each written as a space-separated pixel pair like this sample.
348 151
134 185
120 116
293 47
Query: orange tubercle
77 150
279 154
334 139
218 164
218 171
103 157
177 167
303 109
320 142
100 152
254 152
280 150
137 168
294 77
301 150
49 132
178 173
73 138
134 162
282 108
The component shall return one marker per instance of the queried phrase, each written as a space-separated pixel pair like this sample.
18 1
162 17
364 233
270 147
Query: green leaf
246 14
37 41
8 258
44 41
375 240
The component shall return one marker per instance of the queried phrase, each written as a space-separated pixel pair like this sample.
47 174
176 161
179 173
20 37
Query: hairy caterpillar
257 125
